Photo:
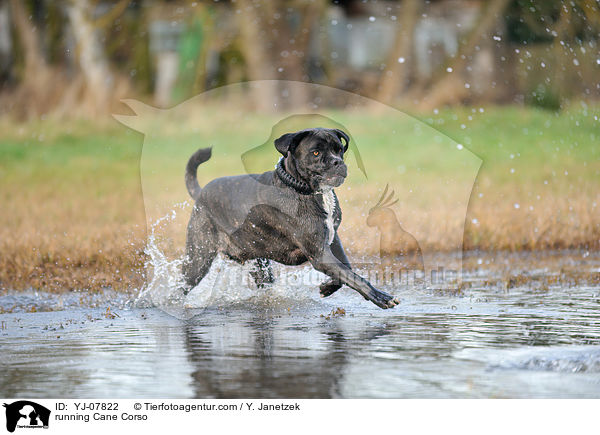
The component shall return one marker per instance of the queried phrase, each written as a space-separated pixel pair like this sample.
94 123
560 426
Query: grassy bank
73 212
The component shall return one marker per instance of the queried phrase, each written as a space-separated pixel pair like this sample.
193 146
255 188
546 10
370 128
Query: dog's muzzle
336 175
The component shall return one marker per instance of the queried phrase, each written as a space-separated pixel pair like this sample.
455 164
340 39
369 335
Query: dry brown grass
76 242
557 221
60 243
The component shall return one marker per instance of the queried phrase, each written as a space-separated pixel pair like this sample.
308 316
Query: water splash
165 290
227 283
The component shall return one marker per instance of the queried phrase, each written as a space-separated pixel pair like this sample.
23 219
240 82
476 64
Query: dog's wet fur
290 216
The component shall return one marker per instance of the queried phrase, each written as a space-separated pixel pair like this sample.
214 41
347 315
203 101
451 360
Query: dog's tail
191 180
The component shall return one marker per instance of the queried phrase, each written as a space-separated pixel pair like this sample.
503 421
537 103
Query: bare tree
37 89
35 62
447 86
254 44
273 49
396 73
572 18
92 61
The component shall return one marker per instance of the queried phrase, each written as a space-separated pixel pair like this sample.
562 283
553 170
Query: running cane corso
289 215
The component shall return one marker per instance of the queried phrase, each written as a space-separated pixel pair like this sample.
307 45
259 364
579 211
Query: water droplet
459 146
401 60
516 205
449 69
372 18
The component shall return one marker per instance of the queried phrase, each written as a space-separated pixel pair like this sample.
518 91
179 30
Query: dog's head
317 155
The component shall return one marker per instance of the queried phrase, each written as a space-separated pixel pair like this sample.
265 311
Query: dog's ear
289 141
342 135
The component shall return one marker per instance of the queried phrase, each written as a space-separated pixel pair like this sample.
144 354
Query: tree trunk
396 73
295 64
35 64
448 86
254 48
41 86
98 78
559 48
273 50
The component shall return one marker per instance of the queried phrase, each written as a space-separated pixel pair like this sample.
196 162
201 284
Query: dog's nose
339 167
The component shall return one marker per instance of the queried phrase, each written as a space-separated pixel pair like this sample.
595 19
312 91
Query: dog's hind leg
262 272
201 247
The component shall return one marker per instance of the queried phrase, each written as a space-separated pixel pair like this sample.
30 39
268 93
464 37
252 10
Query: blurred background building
78 57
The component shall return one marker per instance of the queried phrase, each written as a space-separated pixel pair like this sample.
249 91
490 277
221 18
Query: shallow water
284 342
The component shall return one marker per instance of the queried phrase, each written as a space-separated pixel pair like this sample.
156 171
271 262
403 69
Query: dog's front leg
330 286
329 264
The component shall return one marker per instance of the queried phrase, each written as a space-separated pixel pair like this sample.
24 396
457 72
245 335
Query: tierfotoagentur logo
25 414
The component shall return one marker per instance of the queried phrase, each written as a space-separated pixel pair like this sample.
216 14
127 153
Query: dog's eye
315 153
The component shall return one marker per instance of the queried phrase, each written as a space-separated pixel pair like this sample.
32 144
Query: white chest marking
329 206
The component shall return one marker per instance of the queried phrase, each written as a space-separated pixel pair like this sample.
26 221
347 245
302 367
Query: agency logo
24 414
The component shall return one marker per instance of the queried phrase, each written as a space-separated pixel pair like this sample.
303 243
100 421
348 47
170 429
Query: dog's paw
328 288
384 300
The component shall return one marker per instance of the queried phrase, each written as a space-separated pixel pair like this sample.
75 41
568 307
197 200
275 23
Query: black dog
290 215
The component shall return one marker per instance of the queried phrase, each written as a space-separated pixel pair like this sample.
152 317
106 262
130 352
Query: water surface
482 342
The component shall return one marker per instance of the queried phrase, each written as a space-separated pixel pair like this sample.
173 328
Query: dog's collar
289 180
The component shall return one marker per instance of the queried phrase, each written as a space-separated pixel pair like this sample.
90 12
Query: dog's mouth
334 180
335 177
